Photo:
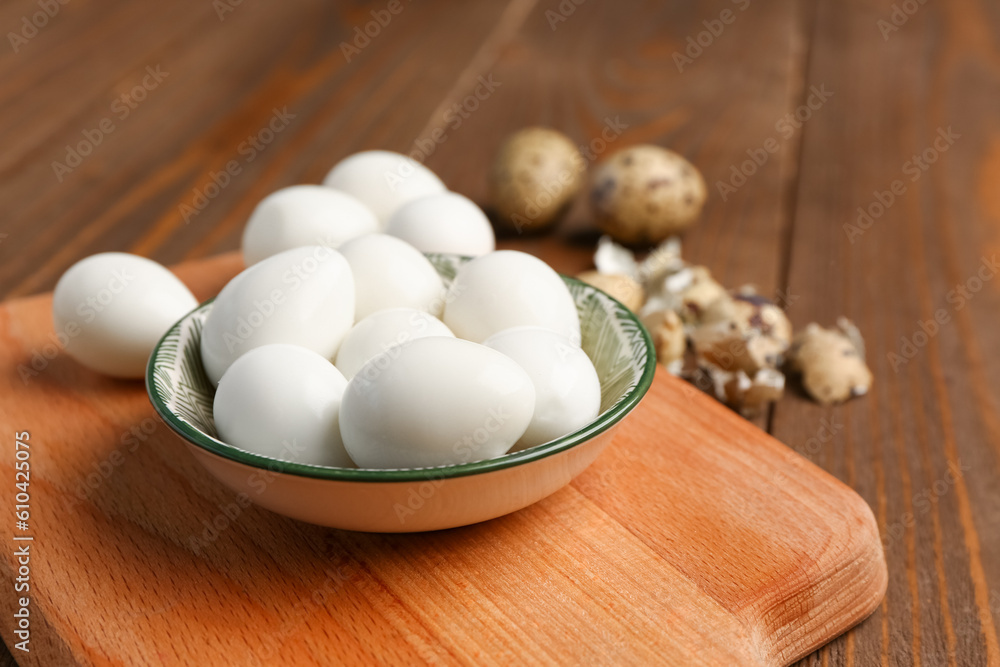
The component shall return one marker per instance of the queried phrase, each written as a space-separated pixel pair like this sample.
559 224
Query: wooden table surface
890 108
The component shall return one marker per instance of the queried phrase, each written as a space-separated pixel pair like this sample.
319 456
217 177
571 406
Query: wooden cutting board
695 538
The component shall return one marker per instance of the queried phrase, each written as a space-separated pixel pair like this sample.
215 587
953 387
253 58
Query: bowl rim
602 423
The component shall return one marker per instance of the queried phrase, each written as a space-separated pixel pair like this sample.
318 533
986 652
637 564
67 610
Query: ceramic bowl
417 499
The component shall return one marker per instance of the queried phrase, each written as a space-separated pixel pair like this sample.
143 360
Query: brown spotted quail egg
535 176
645 193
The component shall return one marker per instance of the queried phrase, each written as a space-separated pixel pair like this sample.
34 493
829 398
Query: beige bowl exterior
403 507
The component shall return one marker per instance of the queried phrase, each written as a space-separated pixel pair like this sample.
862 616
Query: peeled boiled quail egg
390 273
506 289
283 401
440 401
383 180
445 222
111 309
380 332
567 389
303 296
303 215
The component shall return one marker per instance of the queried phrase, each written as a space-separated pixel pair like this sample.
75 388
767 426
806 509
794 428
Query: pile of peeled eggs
341 345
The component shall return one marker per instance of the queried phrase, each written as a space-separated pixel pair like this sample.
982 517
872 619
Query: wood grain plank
601 63
197 124
935 413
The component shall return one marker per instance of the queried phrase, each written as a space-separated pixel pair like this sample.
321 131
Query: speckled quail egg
534 177
644 194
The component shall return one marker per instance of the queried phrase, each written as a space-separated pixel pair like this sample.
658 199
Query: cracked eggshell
662 261
758 313
380 332
621 287
303 215
567 389
536 174
446 222
303 296
763 325
768 386
668 335
692 291
613 258
724 346
441 401
832 366
645 193
383 180
751 396
390 273
283 401
113 307
705 376
506 289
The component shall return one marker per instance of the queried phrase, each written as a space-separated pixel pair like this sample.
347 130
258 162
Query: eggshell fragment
383 180
303 296
283 401
303 215
690 292
831 362
613 258
620 286
441 401
443 223
754 329
390 273
667 331
111 309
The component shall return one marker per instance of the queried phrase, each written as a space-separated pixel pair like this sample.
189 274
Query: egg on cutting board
110 310
567 389
303 296
390 273
283 401
505 289
383 180
446 222
377 335
303 215
441 401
